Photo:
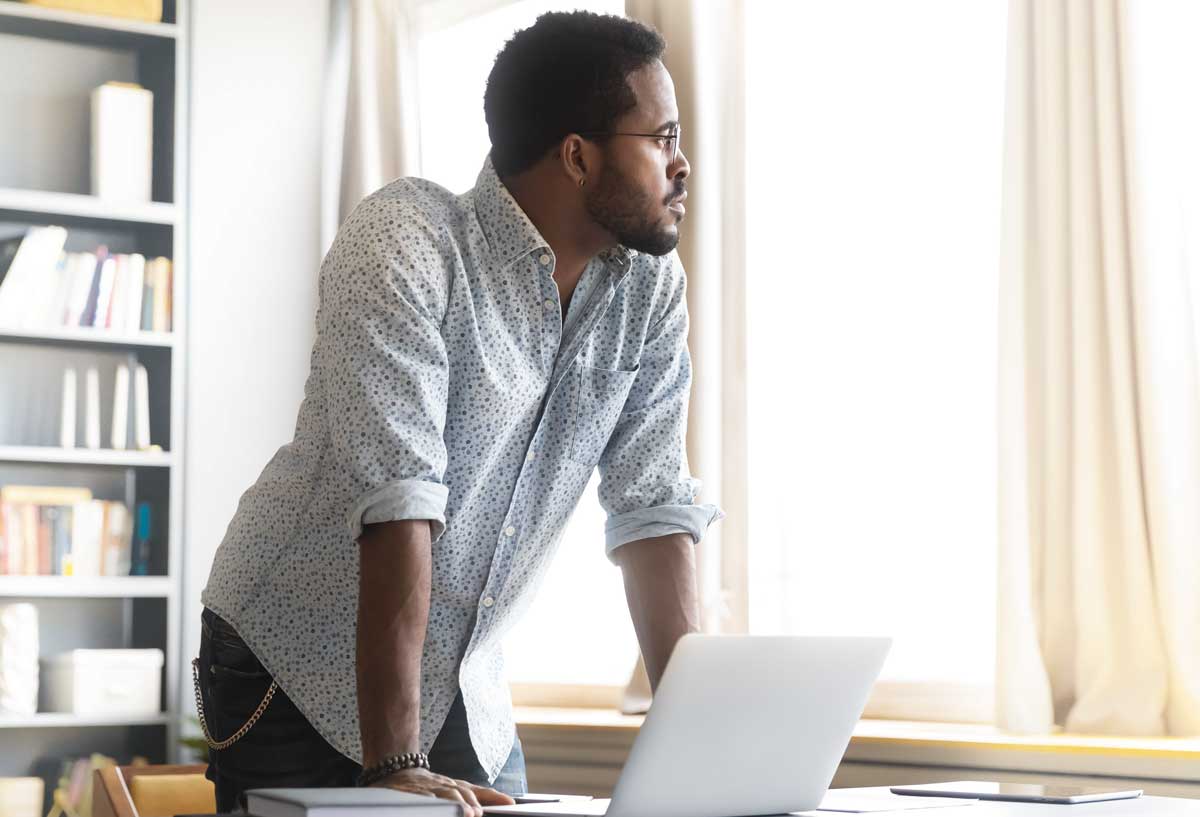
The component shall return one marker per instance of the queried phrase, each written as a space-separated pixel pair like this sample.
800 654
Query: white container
21 796
104 682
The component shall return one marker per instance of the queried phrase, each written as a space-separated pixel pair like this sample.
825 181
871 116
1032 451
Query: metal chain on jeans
236 736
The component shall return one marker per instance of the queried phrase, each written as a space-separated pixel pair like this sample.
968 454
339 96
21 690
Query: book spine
88 318
51 314
46 522
141 413
92 408
12 539
137 282
66 431
140 560
169 286
116 302
108 274
62 540
83 270
29 523
120 413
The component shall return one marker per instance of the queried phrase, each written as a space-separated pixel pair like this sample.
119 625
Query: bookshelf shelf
66 336
85 456
91 587
42 205
70 720
50 152
91 29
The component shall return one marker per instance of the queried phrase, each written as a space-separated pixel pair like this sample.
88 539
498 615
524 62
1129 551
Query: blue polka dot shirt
445 385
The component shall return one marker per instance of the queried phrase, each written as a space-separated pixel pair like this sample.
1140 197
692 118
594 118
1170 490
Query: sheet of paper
859 802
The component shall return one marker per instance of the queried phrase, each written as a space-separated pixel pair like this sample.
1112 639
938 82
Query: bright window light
874 141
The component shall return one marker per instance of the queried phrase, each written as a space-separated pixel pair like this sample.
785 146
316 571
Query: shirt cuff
661 520
406 499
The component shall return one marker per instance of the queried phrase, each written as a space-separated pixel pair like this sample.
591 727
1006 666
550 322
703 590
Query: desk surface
1144 806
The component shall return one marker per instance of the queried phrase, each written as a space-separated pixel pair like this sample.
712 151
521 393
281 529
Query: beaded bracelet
392 764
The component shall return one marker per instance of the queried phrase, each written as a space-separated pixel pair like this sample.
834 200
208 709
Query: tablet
1019 792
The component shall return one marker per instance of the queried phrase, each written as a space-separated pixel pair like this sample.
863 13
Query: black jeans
283 749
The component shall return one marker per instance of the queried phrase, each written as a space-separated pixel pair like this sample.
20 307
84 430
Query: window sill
886 743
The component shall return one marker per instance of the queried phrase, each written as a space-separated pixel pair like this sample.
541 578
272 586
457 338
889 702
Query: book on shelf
44 287
50 531
149 11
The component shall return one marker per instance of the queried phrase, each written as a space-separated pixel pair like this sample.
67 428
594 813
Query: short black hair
564 74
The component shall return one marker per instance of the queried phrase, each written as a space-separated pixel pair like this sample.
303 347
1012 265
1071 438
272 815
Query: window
874 138
577 631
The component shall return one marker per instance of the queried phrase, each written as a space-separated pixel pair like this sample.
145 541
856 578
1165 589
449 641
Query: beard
621 208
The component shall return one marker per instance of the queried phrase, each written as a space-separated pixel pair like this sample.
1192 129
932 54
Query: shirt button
510 530
488 601
529 457
544 259
549 304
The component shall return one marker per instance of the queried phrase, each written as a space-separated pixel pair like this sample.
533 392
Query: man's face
638 196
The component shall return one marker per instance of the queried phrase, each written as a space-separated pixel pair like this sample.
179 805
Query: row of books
42 287
48 531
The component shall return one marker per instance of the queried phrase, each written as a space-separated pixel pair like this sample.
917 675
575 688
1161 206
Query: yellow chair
152 791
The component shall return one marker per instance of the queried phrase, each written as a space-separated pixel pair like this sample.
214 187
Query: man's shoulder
413 203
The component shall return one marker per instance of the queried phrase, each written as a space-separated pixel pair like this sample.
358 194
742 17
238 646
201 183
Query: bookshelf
96 587
39 205
72 26
83 337
45 719
82 456
49 61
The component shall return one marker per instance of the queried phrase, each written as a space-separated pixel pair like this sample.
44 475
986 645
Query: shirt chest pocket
600 397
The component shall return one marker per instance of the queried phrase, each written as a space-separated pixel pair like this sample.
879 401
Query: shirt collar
509 232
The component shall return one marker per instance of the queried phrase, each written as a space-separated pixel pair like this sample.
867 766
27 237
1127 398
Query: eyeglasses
670 139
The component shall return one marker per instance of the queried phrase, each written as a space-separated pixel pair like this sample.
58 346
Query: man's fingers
468 795
456 795
491 797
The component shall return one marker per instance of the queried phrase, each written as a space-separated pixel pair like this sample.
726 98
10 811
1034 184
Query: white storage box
103 682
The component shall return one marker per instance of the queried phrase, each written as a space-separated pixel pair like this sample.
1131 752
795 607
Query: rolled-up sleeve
645 485
384 366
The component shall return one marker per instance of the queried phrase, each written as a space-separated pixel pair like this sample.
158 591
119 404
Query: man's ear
573 154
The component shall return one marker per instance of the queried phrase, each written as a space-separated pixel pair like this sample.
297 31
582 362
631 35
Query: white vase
18 659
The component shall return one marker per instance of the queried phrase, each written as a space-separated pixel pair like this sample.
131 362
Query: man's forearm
660 586
393 612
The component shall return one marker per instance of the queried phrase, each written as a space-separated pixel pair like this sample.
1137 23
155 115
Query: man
477 356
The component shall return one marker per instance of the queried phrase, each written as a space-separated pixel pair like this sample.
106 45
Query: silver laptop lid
747 725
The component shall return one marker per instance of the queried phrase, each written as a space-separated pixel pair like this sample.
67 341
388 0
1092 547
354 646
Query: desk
1144 806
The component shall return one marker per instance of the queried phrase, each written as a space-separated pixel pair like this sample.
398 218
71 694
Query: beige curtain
705 57
1099 457
371 127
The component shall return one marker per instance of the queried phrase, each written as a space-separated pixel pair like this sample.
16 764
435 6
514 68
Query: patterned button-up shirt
445 385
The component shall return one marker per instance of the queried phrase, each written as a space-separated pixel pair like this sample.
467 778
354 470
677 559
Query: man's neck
559 216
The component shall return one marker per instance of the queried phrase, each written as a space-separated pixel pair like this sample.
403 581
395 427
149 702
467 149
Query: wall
257 72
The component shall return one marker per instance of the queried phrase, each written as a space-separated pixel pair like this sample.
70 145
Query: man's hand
420 781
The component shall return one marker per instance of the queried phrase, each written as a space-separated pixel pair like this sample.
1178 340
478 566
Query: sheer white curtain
705 57
1099 407
371 133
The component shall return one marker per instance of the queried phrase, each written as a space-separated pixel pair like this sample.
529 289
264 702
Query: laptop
740 725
